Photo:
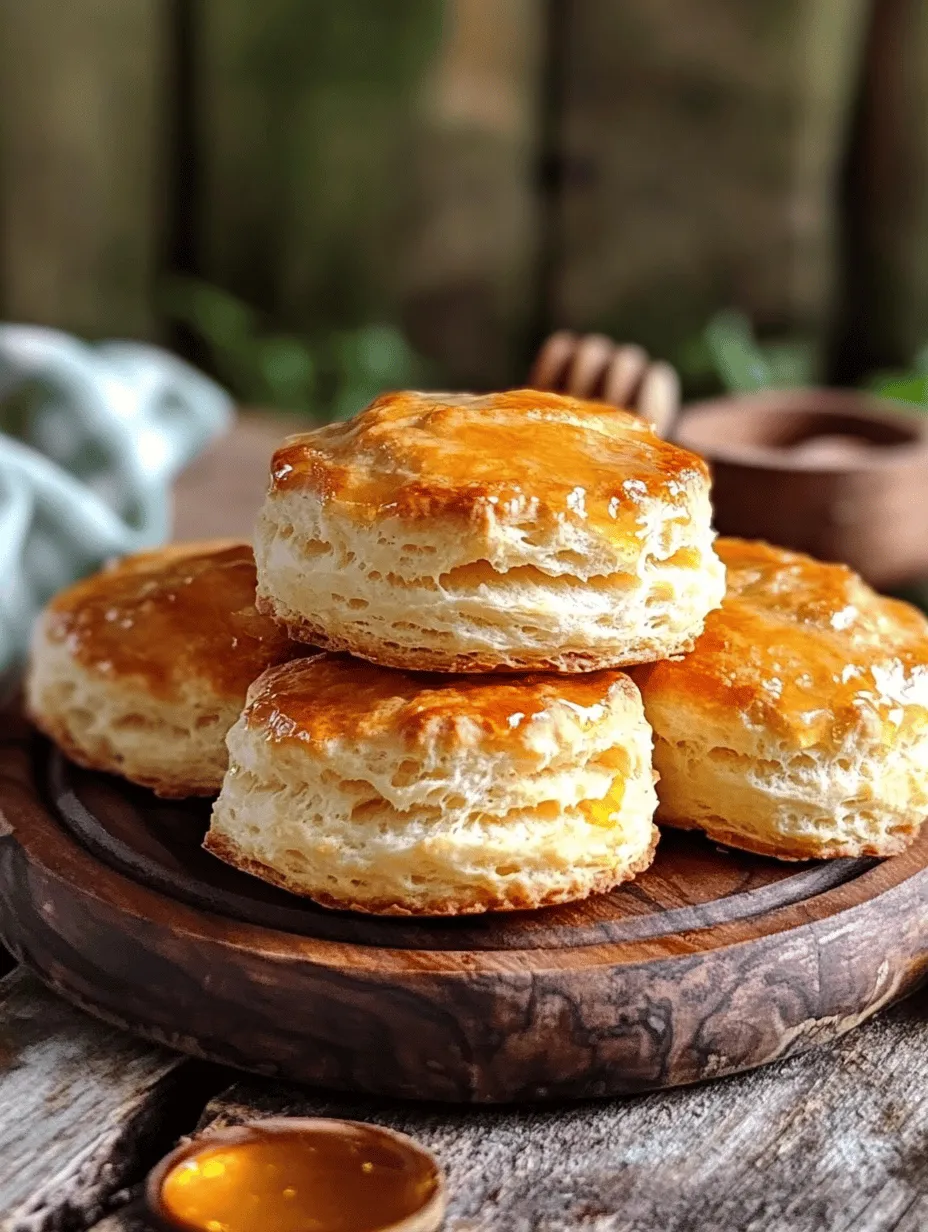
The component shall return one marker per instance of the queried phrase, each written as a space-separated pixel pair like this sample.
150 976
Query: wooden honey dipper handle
593 366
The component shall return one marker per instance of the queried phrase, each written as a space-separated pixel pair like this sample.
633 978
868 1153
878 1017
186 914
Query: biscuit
141 669
516 531
413 794
798 727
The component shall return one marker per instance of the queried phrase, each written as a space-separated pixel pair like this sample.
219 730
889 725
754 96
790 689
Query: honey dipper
593 366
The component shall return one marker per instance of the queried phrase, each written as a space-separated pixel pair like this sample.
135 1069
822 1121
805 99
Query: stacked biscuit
494 561
523 621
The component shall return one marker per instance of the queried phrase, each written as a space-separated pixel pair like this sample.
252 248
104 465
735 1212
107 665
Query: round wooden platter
711 962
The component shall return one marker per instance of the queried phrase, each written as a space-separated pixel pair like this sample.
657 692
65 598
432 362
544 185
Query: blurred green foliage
328 376
905 386
315 149
729 355
331 375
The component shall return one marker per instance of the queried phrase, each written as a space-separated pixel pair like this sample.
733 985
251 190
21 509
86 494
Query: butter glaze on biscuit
798 726
141 669
510 531
400 793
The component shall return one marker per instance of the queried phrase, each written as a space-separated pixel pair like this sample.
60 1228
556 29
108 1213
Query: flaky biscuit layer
798 725
389 792
519 531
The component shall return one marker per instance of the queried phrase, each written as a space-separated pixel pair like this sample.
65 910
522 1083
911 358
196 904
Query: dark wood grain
763 962
832 1141
829 1142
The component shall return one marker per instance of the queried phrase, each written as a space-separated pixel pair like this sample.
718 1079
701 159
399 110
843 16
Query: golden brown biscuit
514 531
141 669
798 727
414 794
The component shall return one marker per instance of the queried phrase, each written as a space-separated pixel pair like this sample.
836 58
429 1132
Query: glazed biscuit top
331 697
510 456
805 648
177 614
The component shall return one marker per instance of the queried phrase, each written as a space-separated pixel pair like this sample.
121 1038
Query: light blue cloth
91 439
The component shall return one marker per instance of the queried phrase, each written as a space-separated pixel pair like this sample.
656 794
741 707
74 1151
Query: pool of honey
333 1177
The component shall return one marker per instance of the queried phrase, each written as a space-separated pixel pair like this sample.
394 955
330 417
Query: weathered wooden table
837 1139
831 1141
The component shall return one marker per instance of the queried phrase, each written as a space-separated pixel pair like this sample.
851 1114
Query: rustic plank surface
829 1142
83 112
78 1102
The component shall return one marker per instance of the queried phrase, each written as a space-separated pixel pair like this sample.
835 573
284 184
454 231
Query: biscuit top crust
510 457
335 698
181 613
805 648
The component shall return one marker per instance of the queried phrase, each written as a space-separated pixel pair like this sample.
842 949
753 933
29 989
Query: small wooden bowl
835 473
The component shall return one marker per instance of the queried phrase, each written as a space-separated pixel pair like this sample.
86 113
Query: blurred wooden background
474 171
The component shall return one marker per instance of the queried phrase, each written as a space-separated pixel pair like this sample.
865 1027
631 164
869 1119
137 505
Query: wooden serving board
711 962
